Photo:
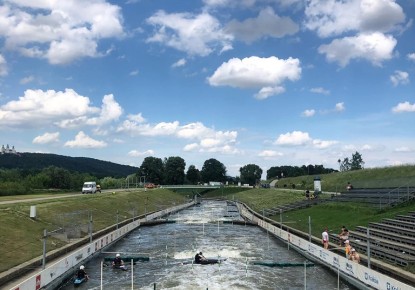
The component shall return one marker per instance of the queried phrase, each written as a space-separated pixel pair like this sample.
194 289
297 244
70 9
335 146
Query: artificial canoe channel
208 228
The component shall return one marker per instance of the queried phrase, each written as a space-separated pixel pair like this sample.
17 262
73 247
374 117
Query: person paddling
118 263
81 273
199 258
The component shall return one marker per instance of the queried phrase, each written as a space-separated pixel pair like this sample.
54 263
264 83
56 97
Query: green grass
396 176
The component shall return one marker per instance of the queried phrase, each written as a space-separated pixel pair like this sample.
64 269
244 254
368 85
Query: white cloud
3 66
256 72
134 73
27 80
110 111
333 17
308 113
267 92
374 47
399 78
295 138
321 144
208 140
135 153
267 24
339 107
404 149
194 34
138 118
84 141
270 154
47 138
179 63
411 56
404 107
60 31
191 147
320 91
39 107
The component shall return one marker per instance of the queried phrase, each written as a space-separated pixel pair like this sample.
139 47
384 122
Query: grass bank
396 176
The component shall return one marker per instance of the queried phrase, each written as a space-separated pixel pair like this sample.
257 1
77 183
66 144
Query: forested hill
38 161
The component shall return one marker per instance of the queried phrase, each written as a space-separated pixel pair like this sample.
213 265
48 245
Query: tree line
171 170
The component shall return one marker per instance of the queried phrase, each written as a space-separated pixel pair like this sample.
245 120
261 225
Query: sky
265 82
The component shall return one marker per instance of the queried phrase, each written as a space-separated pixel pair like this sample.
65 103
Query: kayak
209 261
78 281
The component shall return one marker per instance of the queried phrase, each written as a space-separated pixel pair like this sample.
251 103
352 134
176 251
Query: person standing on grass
325 237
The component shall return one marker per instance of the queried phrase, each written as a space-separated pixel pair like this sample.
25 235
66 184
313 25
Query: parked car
149 185
90 187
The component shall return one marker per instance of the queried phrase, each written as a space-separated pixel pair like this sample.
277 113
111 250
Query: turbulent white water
197 229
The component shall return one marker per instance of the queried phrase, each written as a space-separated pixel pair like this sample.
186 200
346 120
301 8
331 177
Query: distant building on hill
8 150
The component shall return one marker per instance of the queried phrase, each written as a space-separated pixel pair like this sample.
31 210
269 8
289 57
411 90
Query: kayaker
199 258
118 262
81 274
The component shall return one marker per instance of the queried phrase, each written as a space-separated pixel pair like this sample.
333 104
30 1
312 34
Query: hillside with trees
39 161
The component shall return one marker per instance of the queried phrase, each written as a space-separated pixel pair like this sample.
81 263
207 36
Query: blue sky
266 82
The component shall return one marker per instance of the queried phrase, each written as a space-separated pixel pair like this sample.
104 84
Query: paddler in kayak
118 263
81 274
199 258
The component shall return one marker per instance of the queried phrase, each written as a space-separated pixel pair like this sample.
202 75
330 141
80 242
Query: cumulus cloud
110 111
308 113
295 138
339 107
411 56
134 73
207 139
404 149
266 92
270 154
47 138
399 78
27 80
65 109
374 47
198 35
179 63
299 138
3 66
138 118
334 17
404 107
256 72
84 141
267 24
320 90
323 144
59 31
135 153
39 107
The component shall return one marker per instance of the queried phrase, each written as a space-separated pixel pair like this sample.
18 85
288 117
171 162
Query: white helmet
82 267
117 255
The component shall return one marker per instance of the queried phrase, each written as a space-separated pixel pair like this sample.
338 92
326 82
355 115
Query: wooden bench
406 218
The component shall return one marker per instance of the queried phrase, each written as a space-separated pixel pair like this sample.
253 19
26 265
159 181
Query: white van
89 187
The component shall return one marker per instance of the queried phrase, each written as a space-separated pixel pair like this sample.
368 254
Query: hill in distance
39 161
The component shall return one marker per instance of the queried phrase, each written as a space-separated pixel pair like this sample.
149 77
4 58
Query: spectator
347 248
354 256
343 236
349 186
325 238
